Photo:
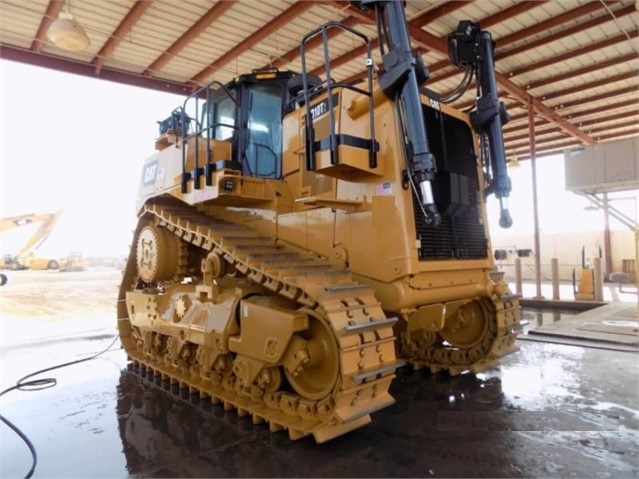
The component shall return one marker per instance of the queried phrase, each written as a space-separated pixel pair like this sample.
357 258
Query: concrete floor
548 411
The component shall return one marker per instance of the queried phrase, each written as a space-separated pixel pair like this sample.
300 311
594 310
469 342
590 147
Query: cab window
264 136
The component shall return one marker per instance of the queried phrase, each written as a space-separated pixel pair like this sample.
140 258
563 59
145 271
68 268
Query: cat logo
148 175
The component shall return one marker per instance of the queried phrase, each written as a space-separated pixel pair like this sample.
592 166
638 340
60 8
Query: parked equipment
26 258
299 239
73 262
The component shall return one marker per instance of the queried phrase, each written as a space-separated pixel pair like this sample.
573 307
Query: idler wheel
316 378
468 327
156 254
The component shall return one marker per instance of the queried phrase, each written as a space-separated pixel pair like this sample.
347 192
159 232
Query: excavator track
363 335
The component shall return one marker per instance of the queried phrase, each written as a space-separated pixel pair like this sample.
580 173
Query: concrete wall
567 248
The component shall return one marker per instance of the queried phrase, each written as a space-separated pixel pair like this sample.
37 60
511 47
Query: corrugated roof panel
19 22
594 105
417 7
99 20
557 102
616 130
166 20
626 112
625 23
474 11
221 36
122 65
155 32
604 74
629 120
540 13
183 68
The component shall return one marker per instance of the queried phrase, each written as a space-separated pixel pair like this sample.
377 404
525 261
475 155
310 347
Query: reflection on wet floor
541 317
160 425
549 410
440 425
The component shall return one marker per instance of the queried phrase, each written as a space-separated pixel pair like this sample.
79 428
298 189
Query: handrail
310 140
199 130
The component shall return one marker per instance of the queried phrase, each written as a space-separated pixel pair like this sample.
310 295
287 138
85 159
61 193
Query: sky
75 143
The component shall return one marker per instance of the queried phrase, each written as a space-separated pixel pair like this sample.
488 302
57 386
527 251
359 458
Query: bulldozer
299 239
74 261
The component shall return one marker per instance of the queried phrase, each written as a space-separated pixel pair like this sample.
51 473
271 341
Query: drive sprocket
156 254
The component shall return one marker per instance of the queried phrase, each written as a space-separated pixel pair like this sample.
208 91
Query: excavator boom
48 220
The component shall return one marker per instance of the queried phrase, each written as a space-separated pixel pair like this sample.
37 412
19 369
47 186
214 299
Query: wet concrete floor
549 410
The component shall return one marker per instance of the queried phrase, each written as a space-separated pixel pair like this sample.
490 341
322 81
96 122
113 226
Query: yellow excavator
300 239
26 258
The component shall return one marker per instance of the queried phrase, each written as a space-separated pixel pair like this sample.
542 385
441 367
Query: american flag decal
383 189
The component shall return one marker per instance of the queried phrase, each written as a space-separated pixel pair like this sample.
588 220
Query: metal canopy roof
574 62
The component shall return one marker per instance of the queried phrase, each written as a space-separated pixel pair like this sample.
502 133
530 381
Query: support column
533 164
607 242
518 280
555 278
598 279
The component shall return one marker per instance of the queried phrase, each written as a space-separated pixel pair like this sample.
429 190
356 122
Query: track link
363 334
504 324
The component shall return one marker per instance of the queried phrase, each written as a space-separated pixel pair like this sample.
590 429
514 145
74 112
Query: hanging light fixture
66 33
513 163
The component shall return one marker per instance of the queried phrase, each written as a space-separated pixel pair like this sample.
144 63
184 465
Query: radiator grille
461 234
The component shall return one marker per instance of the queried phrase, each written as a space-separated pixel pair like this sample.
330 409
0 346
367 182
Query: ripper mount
468 47
471 48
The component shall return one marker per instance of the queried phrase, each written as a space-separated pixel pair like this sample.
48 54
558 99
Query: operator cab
248 113
245 114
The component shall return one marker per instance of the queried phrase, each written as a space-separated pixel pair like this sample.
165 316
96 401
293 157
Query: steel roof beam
9 52
558 147
590 111
576 89
546 136
213 14
581 124
125 26
543 110
51 13
606 109
278 22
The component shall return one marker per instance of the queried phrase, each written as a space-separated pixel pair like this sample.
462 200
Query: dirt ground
37 305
